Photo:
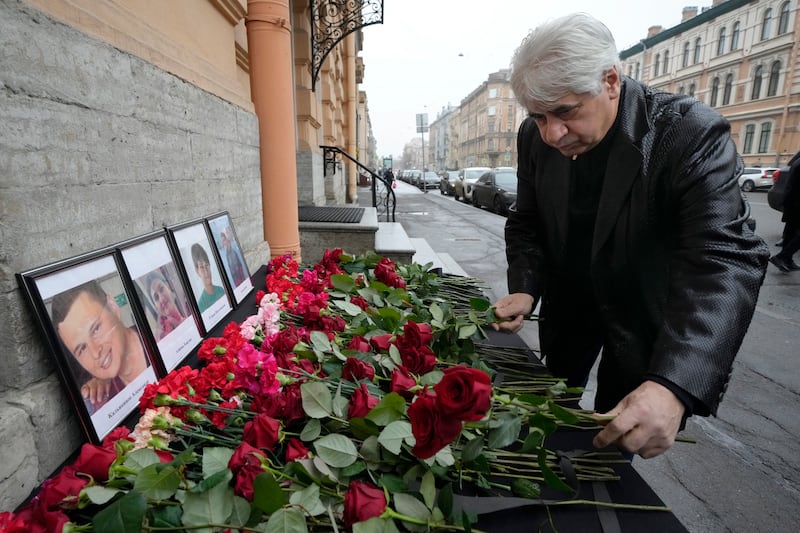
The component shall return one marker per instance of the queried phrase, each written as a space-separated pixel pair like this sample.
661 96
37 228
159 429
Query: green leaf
363 428
525 488
467 331
542 422
393 483
223 476
240 512
320 341
317 401
157 482
428 489
533 441
311 430
287 521
211 507
124 515
141 458
215 460
410 506
479 304
562 414
505 430
445 501
267 493
394 434
437 313
549 476
167 516
472 449
349 308
376 525
308 499
343 282
336 450
390 408
99 495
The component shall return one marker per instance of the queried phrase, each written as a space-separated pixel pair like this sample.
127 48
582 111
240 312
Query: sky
431 53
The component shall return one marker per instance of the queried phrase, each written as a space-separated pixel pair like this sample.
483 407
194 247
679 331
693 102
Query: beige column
352 118
269 42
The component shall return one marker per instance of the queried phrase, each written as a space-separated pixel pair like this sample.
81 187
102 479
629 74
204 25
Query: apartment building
740 57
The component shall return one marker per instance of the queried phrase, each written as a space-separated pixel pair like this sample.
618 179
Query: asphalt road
743 473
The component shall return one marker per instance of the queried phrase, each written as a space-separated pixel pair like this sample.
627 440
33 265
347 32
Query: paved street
743 474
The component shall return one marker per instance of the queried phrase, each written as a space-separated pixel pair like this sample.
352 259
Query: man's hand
645 421
511 310
96 390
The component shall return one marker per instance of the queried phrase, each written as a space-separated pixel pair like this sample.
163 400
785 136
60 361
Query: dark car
780 179
496 189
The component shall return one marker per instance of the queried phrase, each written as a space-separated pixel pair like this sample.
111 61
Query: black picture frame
94 331
172 321
229 251
192 239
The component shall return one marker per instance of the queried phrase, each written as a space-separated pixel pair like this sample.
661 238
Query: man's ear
613 82
113 307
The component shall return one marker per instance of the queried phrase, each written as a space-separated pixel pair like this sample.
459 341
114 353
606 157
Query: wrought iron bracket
332 21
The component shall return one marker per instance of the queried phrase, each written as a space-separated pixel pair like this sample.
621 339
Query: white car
753 178
466 179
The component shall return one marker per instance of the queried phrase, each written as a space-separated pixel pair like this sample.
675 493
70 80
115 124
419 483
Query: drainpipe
352 114
269 41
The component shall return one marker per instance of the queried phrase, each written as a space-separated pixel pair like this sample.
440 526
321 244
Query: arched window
749 133
685 62
697 44
666 62
714 92
759 74
735 36
656 65
681 90
774 77
763 140
630 70
783 19
638 70
726 93
691 90
721 42
766 24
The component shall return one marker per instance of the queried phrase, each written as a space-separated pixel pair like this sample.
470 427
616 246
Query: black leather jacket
675 269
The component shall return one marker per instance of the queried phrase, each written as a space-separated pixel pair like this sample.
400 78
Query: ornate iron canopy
332 21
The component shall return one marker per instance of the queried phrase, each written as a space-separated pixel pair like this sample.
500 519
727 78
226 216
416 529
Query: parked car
428 180
754 178
414 177
780 179
447 183
467 177
496 189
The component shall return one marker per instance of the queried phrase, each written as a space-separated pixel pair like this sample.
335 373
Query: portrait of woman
166 299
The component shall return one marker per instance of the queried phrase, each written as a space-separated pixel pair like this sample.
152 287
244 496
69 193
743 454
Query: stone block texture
96 147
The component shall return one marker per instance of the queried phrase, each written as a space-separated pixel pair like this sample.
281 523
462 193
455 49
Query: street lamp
422 127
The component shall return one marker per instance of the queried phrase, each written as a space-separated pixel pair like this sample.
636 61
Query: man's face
203 270
576 123
95 335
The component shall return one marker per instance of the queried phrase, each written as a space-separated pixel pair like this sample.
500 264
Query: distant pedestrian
790 243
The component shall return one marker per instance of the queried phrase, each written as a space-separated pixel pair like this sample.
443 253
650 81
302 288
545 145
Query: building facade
740 57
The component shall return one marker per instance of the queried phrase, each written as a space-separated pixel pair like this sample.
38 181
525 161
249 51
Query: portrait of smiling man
631 232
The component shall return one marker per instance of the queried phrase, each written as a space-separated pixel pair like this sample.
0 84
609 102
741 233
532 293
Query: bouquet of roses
355 396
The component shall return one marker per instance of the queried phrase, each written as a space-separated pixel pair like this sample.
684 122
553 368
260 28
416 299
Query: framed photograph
162 297
84 308
202 272
230 254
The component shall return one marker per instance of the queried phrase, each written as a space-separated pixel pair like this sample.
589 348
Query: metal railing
383 197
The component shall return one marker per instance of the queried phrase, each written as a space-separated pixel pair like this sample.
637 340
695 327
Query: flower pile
356 397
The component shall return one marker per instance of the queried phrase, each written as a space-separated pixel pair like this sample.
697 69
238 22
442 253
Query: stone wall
96 146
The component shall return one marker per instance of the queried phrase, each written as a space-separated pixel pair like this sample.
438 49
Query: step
392 241
425 254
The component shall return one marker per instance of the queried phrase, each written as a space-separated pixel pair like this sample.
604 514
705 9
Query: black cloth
675 270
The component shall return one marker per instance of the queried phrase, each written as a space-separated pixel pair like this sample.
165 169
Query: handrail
388 201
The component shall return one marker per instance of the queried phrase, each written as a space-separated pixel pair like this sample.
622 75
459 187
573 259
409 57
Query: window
783 20
491 110
721 42
685 62
697 44
666 62
490 126
714 92
681 90
691 90
766 24
492 93
763 140
630 70
726 93
756 92
657 65
735 36
774 76
638 70
749 133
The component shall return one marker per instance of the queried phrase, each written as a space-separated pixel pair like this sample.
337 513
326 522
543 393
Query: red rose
362 501
245 463
164 456
464 393
356 369
361 402
403 382
381 342
359 344
95 461
431 428
62 490
263 432
385 273
417 334
11 523
34 518
419 360
295 450
359 301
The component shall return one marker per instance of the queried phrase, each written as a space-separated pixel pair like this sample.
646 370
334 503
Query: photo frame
163 298
84 308
201 269
230 254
